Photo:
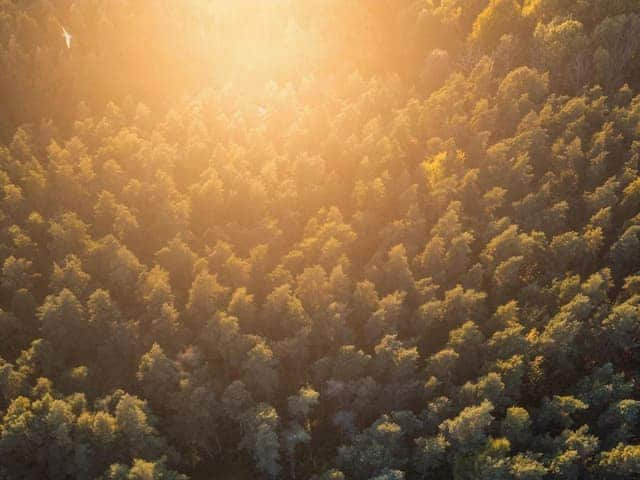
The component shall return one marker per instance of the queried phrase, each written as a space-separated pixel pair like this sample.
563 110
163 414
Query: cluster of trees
413 251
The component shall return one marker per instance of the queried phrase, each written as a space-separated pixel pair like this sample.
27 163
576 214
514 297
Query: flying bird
67 37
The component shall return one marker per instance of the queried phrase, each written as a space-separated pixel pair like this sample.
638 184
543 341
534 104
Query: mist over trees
329 240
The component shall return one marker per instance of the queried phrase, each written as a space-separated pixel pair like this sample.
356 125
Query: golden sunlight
319 239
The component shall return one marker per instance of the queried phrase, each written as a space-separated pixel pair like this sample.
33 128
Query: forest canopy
319 239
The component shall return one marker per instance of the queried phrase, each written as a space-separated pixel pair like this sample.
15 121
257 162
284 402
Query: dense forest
320 239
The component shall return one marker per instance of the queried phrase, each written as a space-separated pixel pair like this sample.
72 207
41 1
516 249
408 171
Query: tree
621 326
158 376
617 45
562 47
380 447
261 439
222 342
312 289
236 400
70 275
142 470
468 342
556 413
429 454
516 427
469 429
397 273
386 318
115 265
178 259
206 297
295 436
622 461
498 18
136 426
624 251
442 363
68 234
242 306
300 405
114 218
524 466
64 324
259 369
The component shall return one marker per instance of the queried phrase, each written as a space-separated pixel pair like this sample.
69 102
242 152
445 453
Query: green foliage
620 462
498 18
364 239
469 429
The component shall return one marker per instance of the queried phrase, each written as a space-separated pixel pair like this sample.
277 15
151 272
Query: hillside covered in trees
320 239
